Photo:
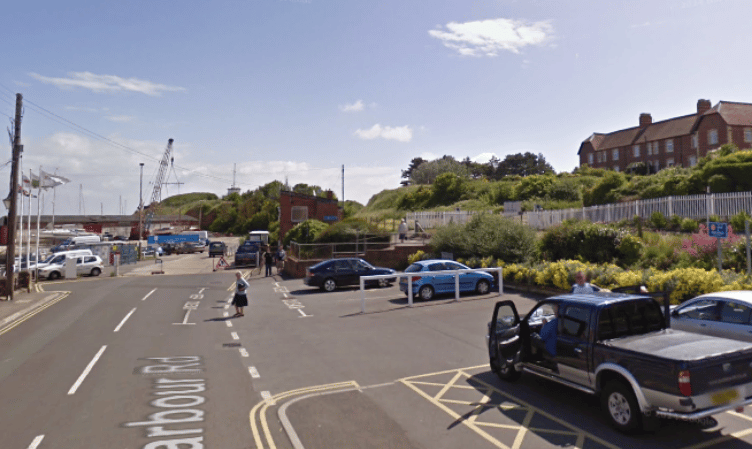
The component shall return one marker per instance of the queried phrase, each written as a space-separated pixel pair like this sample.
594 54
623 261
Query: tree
407 174
427 172
523 165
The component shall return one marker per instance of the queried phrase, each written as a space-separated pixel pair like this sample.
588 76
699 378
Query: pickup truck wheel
482 287
329 285
506 371
426 292
621 407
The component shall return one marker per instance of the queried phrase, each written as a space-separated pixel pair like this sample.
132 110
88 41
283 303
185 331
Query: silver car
722 314
85 265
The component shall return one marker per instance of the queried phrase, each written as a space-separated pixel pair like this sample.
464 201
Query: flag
49 180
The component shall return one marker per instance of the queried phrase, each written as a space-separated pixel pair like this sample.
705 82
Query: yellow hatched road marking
488 390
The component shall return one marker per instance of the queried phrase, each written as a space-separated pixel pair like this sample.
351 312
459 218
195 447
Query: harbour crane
156 194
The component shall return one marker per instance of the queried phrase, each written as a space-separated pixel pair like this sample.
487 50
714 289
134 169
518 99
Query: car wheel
53 275
482 287
96 271
383 283
329 285
425 292
620 406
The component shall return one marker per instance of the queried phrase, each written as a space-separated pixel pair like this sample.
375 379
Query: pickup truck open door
504 342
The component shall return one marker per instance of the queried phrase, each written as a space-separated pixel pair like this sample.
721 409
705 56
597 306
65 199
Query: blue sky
296 89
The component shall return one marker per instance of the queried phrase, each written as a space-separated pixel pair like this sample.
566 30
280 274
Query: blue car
425 287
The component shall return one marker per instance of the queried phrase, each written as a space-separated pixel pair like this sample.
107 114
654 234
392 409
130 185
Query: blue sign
172 238
719 230
330 218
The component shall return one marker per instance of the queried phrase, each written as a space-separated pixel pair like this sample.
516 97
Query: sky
295 90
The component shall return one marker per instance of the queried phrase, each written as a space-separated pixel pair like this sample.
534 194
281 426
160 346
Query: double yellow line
33 312
263 406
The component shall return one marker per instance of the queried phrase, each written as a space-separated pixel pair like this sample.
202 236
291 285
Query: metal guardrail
409 277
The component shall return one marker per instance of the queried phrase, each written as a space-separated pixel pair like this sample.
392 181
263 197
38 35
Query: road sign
718 230
222 263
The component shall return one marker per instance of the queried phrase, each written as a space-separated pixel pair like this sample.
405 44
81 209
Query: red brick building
678 141
297 207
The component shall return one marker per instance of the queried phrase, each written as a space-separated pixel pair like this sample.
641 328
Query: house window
692 161
713 137
650 148
669 146
299 213
590 158
748 134
694 141
636 150
616 168
615 154
670 162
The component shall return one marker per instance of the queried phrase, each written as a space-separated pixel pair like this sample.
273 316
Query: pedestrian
268 261
582 286
281 258
240 299
402 230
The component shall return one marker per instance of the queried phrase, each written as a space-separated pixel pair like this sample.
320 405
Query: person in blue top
545 340
240 299
582 286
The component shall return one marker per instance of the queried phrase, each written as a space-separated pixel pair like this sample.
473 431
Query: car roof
736 295
430 261
597 298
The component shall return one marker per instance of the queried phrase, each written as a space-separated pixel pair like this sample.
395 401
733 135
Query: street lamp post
140 209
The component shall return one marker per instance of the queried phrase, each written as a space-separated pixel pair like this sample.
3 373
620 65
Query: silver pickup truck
618 346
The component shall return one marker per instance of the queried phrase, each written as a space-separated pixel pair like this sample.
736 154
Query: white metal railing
685 206
429 220
409 277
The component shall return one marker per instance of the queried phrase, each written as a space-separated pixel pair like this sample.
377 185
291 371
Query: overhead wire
78 128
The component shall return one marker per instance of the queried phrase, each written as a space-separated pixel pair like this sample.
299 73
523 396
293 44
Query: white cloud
398 133
120 118
355 107
483 158
107 83
489 37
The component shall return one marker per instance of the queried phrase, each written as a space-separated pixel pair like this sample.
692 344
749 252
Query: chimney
329 194
702 106
645 120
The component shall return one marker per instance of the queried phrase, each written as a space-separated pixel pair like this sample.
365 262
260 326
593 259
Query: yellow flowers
683 283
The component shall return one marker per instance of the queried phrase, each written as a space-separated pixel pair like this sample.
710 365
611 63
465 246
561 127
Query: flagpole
21 221
39 213
28 224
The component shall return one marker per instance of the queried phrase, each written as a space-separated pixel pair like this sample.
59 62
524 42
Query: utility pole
13 195
140 208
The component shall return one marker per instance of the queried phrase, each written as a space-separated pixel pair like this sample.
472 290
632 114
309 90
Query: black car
332 273
216 249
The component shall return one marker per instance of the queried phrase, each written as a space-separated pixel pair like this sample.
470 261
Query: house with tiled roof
678 141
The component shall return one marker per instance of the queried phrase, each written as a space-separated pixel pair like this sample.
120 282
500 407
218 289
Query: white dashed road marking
243 352
228 323
234 335
35 443
254 372
148 294
86 371
124 320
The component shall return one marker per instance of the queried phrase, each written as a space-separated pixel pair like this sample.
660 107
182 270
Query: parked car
190 248
618 347
217 249
333 273
247 254
85 265
723 314
425 287
153 251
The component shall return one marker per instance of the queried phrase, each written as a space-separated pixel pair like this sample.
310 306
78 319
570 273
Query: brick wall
318 208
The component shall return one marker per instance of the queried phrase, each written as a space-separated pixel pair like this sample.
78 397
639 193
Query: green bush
658 220
689 225
675 223
351 230
581 240
630 249
305 232
487 235
737 222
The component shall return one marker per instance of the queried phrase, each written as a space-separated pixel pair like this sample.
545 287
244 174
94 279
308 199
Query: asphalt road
152 362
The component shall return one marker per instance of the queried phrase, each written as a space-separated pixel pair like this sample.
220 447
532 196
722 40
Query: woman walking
240 299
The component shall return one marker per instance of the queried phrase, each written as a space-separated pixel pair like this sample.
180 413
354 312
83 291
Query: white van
59 258
74 241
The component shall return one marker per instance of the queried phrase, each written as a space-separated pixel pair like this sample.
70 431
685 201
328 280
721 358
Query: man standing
268 261
402 230
582 286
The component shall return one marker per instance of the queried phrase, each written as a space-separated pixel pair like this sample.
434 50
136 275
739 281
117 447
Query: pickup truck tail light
685 385
308 273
